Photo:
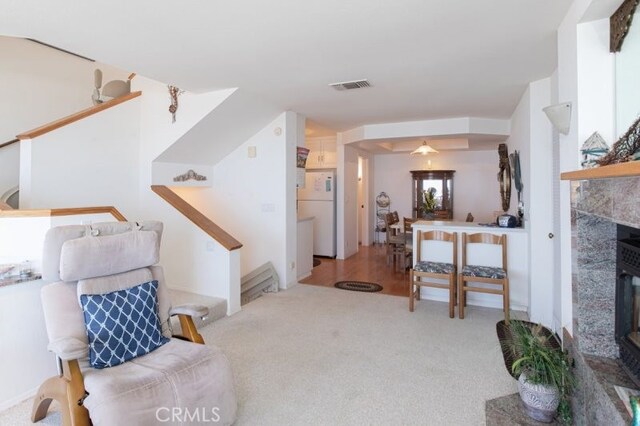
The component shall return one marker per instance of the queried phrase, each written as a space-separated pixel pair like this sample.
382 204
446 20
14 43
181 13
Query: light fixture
560 116
424 149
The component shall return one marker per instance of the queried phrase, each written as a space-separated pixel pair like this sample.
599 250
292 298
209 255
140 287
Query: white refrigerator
318 199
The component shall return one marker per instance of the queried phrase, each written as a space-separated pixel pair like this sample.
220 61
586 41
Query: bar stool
435 270
394 242
483 274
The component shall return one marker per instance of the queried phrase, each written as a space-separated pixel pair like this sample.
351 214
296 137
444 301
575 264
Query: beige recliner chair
180 381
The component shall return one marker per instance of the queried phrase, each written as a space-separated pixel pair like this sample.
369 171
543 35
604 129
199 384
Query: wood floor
369 264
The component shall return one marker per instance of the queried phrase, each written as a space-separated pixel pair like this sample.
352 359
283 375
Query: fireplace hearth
627 325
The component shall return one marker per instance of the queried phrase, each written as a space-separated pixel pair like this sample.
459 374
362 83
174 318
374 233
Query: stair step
217 307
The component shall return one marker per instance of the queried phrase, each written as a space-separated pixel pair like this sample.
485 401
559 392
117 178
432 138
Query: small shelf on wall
630 168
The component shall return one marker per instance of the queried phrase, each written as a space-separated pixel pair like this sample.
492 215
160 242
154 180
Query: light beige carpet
322 356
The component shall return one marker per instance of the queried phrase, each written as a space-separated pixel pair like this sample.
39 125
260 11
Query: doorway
363 202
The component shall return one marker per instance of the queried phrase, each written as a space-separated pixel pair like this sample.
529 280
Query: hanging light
424 149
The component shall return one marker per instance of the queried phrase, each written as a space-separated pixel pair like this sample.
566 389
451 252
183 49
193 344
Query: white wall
251 198
627 63
475 186
40 84
596 82
93 162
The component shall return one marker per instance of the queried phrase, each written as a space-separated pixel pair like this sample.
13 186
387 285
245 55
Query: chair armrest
69 348
196 311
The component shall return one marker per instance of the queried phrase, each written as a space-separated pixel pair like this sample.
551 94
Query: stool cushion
484 272
434 267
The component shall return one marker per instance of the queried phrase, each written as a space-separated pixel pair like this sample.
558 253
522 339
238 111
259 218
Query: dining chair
424 270
394 242
396 217
407 226
483 274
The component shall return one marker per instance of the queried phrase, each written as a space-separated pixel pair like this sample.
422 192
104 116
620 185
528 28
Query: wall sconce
560 116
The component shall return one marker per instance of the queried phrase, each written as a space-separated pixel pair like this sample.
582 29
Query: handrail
200 220
11 142
39 131
5 206
72 211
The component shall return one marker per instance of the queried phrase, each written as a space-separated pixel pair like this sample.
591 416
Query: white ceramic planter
540 401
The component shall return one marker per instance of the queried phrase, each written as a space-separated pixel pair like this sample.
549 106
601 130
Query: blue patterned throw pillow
122 325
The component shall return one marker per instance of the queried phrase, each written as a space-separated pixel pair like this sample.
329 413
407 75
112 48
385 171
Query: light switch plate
251 152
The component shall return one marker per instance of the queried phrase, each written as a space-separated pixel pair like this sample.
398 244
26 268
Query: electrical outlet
211 246
268 208
293 265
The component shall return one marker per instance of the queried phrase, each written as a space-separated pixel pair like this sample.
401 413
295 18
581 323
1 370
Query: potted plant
545 378
429 204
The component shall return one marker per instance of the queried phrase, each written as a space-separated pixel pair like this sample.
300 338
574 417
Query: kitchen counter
464 226
481 254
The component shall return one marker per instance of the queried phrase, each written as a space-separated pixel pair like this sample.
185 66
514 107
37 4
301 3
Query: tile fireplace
627 325
606 296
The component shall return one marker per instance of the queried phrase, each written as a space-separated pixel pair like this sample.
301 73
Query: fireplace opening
627 328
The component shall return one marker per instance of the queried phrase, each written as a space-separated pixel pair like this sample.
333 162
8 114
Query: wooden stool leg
505 291
452 294
411 291
461 296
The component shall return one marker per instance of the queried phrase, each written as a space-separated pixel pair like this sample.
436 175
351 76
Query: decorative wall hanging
504 177
517 179
174 92
301 157
625 147
592 150
190 175
619 24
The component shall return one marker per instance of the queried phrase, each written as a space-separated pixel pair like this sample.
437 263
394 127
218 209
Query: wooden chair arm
189 331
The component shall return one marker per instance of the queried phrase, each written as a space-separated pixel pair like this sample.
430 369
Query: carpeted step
217 307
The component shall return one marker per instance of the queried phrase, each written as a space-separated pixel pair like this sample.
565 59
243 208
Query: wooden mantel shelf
630 168
39 131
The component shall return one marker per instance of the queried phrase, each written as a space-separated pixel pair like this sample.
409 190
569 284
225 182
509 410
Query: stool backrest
484 238
396 217
408 222
451 237
388 221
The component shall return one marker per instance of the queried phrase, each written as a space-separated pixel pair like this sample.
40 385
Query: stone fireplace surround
599 205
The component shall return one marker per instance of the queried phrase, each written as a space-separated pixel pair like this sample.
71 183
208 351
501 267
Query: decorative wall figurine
625 148
111 90
190 175
174 92
592 150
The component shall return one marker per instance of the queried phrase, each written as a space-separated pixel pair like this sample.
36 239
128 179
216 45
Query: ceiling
426 59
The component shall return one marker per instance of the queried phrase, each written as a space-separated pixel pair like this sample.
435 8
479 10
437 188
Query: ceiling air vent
350 85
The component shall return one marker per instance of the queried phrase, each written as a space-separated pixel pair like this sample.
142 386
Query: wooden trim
200 220
73 211
11 142
630 168
39 131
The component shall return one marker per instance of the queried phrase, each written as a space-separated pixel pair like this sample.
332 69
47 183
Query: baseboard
473 302
5 405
